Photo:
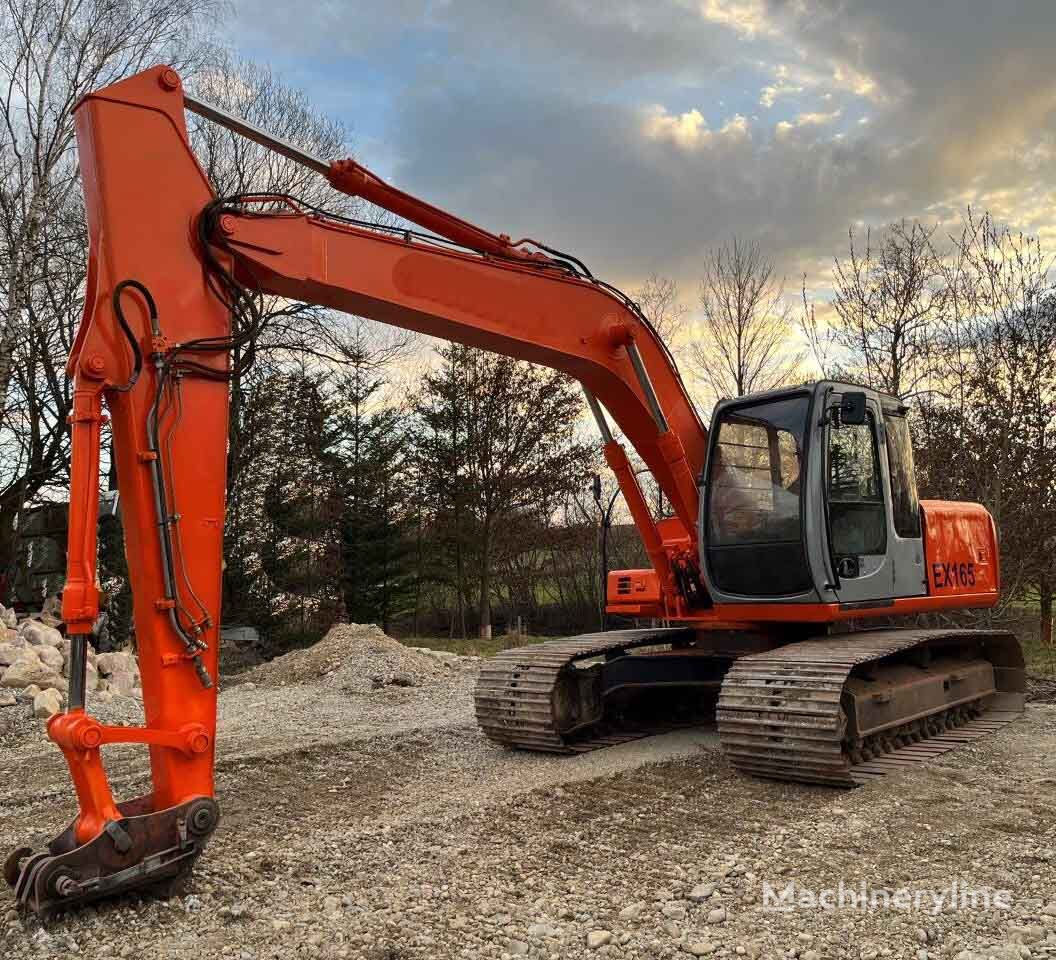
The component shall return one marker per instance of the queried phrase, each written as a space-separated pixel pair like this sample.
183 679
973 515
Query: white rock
28 669
39 634
8 618
51 657
517 948
46 704
9 652
108 663
122 683
632 912
674 910
700 948
8 698
598 938
718 915
701 892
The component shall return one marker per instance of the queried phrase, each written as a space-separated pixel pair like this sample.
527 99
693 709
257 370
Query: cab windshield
755 474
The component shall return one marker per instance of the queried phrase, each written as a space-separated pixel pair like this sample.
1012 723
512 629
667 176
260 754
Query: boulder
51 657
51 614
110 663
30 669
46 704
123 683
27 694
8 618
9 652
8 698
40 634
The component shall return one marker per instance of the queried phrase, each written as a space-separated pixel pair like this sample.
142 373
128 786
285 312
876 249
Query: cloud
747 17
689 130
786 128
627 131
782 87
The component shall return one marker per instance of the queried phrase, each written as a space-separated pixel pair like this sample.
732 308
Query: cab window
755 477
754 522
905 504
857 522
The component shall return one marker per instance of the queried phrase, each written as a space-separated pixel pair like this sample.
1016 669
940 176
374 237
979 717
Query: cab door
872 513
856 512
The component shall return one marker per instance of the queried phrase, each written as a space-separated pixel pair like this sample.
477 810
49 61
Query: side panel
960 549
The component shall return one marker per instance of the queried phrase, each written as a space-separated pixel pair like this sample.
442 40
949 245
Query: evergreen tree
377 526
283 573
499 442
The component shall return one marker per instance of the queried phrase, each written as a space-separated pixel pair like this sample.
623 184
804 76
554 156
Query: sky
637 134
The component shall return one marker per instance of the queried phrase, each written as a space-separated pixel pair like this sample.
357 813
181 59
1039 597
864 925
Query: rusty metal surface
143 849
520 700
781 713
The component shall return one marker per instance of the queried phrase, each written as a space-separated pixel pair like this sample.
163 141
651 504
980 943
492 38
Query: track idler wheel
142 849
14 862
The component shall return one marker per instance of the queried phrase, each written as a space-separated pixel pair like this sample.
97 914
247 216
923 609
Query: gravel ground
382 825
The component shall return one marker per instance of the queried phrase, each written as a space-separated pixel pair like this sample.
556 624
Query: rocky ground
365 817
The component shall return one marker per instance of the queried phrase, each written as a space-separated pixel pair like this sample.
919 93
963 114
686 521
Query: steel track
779 712
780 716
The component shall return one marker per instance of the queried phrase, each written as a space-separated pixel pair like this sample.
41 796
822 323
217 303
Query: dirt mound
354 656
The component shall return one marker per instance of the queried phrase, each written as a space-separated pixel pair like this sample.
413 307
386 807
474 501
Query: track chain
780 716
515 694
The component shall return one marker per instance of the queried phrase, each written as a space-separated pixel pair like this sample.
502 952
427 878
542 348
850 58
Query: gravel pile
357 658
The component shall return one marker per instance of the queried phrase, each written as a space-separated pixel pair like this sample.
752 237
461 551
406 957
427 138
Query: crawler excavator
796 512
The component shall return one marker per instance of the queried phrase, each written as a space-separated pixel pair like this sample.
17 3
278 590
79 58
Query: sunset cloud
639 133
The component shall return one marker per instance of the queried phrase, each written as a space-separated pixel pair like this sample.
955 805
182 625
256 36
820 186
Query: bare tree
52 52
888 299
747 326
818 335
658 299
989 430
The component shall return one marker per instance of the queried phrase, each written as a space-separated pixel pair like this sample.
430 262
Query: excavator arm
174 277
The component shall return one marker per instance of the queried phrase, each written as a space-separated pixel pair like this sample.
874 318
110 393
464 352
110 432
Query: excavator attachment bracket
143 849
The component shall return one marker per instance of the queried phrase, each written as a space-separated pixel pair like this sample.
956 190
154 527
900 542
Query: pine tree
499 444
283 539
377 523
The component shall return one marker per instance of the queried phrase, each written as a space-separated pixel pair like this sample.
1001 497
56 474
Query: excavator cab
810 496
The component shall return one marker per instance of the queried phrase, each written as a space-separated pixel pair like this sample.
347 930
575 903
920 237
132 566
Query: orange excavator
794 514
